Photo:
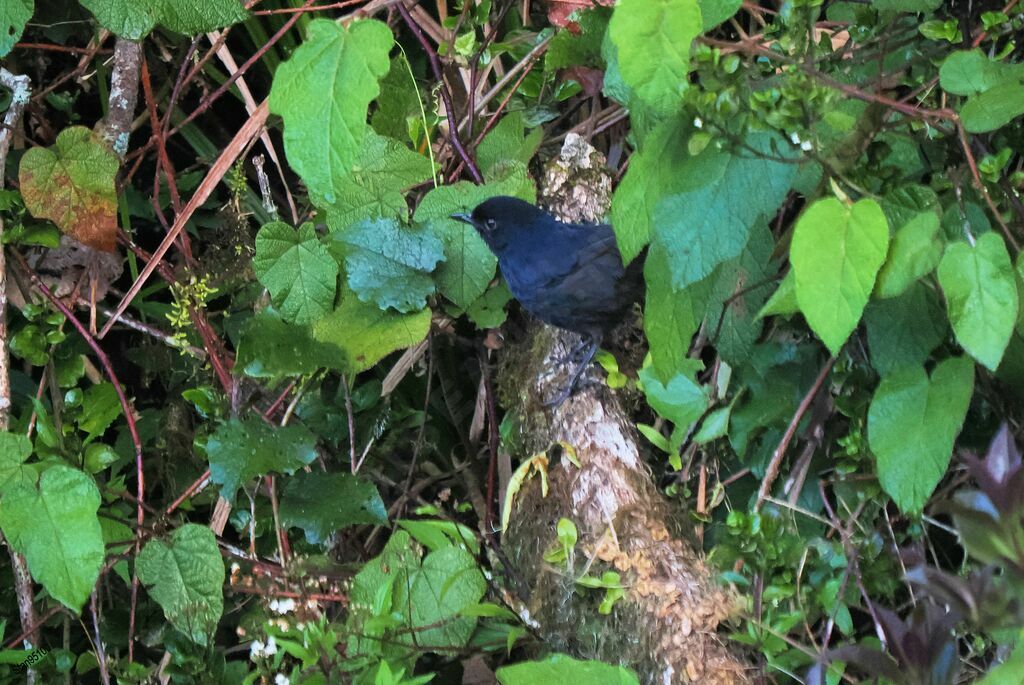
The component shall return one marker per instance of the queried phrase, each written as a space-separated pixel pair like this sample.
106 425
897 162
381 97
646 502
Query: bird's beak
464 218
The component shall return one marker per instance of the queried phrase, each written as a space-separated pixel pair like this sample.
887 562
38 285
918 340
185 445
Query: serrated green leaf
15 449
448 582
981 296
134 19
994 108
323 92
709 225
903 331
373 188
836 253
321 503
99 409
913 421
14 14
469 264
239 451
297 270
365 334
185 575
56 528
390 265
653 39
72 184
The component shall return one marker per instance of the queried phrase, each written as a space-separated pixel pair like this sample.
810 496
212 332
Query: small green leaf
981 296
72 184
271 348
714 12
100 407
507 142
783 300
242 450
55 526
671 318
14 14
390 265
321 503
681 400
909 6
912 424
653 38
915 251
323 92
582 44
836 253
297 270
969 72
185 575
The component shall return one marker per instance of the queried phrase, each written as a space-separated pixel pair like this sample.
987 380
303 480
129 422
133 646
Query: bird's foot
590 345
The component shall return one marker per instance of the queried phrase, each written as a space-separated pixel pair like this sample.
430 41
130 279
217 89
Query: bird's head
499 218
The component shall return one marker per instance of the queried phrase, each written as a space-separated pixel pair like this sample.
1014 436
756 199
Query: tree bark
665 627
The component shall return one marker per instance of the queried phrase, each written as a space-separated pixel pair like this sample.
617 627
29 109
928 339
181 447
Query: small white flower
282 679
271 648
806 146
256 648
698 122
282 606
795 137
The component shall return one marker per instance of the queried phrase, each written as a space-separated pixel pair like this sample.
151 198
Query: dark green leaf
242 450
321 503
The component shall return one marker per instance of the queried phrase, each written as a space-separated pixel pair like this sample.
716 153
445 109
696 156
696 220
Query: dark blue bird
567 275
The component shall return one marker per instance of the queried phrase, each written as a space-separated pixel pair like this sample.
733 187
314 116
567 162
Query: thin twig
772 472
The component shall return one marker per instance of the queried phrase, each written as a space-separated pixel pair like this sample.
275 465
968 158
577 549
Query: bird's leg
575 351
591 344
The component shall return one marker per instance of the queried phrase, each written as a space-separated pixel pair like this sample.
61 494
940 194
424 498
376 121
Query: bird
568 275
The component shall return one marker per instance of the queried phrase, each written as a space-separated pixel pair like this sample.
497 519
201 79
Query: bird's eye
491 224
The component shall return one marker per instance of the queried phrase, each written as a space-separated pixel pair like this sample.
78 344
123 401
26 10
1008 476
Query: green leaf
321 503
15 449
558 669
390 265
507 142
72 184
653 38
704 227
580 46
671 318
660 167
488 310
681 400
914 252
14 14
366 334
783 300
373 188
836 253
909 6
912 424
994 108
399 102
55 526
448 582
903 331
970 72
323 92
469 264
714 12
100 407
981 296
297 270
133 19
271 348
186 577
1009 671
242 450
